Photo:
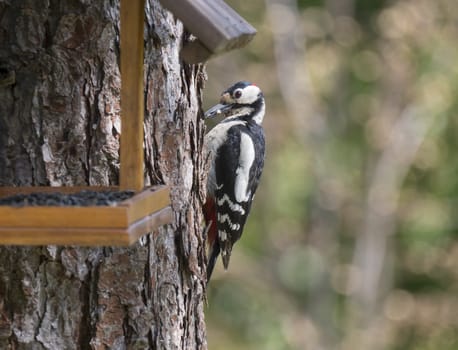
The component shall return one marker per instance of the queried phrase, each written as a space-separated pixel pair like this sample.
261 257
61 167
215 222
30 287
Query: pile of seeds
82 199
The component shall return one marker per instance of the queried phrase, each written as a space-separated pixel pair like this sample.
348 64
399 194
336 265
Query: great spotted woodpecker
235 149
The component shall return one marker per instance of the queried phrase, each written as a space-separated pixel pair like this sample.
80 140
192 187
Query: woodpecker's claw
217 110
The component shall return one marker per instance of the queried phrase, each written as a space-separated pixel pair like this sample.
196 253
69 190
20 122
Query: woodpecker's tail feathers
226 251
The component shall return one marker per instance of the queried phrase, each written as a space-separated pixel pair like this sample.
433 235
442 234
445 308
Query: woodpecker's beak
217 110
222 107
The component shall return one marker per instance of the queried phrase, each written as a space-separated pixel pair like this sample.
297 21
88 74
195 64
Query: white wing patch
232 205
242 176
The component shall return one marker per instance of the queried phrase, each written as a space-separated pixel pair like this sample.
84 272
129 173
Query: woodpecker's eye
238 93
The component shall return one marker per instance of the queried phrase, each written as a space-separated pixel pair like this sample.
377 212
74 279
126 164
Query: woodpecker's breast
212 143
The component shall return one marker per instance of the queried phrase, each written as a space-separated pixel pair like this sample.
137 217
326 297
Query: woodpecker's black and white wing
238 167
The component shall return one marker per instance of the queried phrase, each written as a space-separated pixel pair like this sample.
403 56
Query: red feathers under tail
209 211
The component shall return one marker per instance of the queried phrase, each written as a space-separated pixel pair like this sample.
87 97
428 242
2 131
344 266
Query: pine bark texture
59 125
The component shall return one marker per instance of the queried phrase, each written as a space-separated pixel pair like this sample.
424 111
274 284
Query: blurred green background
352 241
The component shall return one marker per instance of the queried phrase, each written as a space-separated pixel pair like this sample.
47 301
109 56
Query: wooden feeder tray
118 225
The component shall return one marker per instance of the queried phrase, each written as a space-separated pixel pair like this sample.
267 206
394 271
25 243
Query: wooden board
85 236
132 101
122 224
216 25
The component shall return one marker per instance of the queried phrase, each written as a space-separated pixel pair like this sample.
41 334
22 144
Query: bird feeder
119 224
218 28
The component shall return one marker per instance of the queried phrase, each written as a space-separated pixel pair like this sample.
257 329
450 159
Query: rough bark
59 125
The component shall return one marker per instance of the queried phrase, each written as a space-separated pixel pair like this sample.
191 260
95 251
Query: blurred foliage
352 241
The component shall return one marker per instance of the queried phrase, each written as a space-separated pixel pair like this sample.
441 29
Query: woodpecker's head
243 99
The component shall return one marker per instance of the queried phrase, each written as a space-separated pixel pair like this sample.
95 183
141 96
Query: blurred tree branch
404 140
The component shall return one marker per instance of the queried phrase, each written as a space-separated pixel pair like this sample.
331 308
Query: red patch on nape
209 210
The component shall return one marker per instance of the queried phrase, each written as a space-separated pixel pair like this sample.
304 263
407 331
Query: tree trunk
59 125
